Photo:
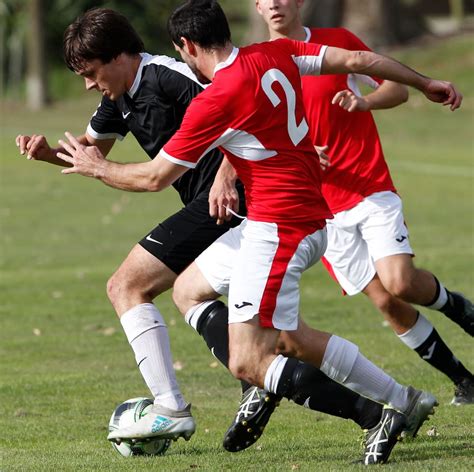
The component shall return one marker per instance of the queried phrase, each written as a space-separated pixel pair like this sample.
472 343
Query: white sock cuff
339 358
192 315
273 374
141 318
418 334
442 298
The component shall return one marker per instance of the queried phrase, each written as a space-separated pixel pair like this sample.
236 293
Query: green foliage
66 363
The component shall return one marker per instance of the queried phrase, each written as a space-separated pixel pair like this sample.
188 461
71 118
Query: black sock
435 352
213 326
308 386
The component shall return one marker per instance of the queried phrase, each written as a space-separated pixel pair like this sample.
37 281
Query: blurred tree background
31 32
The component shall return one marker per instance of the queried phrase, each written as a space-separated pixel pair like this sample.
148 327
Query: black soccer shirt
152 110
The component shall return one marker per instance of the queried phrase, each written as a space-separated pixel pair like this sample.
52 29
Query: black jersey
153 110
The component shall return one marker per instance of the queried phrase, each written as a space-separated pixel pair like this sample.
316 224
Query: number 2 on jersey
296 132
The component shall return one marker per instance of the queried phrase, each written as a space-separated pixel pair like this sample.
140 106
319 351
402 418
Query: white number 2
296 132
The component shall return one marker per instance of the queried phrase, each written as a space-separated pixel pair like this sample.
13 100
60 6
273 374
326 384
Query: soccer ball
128 413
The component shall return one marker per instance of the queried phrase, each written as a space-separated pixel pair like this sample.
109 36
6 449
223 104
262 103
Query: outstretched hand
85 160
35 147
439 91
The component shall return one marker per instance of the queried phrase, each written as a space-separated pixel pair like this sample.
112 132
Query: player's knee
400 285
241 369
180 299
385 302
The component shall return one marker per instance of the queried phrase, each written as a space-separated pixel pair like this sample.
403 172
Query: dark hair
200 21
99 33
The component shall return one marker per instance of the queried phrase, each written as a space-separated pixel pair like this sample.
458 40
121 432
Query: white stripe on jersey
239 143
310 65
94 134
353 79
165 61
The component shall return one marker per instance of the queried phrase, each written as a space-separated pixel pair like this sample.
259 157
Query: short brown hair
100 33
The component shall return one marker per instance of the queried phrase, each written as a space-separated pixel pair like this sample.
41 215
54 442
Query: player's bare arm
337 61
223 194
88 161
36 147
388 95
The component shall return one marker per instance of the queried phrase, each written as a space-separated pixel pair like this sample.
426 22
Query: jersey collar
138 77
308 34
228 61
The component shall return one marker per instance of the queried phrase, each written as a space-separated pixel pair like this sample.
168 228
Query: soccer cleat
255 409
464 392
422 404
380 440
462 312
159 422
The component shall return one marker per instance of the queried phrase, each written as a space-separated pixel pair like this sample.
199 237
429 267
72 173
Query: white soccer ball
125 415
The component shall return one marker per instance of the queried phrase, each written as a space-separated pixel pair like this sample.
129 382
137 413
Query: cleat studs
244 423
267 399
262 428
256 436
249 430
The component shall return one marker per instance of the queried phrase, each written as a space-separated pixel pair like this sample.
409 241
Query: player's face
279 15
108 79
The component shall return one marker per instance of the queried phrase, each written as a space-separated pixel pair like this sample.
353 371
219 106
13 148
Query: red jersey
253 111
358 168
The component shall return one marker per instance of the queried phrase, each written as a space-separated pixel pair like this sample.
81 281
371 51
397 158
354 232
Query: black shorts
179 239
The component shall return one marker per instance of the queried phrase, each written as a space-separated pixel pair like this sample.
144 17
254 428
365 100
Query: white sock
193 314
273 374
147 333
442 298
343 363
418 333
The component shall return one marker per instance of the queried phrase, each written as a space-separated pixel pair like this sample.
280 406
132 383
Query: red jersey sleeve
307 56
203 129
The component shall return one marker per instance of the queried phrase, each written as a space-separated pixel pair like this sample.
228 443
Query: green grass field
65 363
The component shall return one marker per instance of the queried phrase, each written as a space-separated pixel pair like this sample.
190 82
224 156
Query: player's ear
188 46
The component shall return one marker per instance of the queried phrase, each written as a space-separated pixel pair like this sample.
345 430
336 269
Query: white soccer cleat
422 404
159 422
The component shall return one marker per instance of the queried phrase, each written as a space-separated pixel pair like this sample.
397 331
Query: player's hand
324 159
85 160
349 101
223 197
35 147
439 91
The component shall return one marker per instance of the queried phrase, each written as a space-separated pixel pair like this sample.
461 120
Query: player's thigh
395 270
384 229
217 262
191 288
347 256
142 271
182 237
266 274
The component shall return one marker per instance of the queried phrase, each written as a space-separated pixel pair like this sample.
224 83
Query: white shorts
358 237
259 265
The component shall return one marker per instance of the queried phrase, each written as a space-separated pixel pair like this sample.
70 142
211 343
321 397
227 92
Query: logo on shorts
242 305
149 238
401 239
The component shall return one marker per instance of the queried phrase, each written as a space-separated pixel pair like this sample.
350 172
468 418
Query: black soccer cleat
461 311
464 393
380 440
255 409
